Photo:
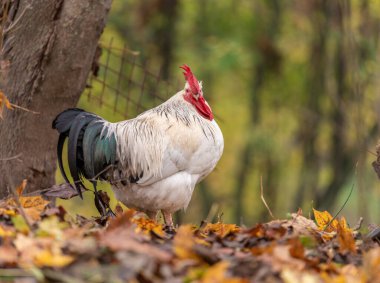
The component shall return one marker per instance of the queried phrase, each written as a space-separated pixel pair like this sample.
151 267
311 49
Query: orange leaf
4 102
296 249
21 188
345 238
33 206
146 226
221 229
217 274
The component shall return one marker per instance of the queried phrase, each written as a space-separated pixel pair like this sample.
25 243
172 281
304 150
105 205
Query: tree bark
48 48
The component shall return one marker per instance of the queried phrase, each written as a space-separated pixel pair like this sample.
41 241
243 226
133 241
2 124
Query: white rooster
153 161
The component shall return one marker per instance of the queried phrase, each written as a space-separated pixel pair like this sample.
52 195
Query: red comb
191 79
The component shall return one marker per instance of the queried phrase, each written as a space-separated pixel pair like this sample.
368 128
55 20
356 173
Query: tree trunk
316 89
49 48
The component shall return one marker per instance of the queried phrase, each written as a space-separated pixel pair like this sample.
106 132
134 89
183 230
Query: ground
43 243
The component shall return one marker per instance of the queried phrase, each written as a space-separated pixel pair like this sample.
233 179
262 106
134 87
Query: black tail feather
89 152
64 120
61 141
75 148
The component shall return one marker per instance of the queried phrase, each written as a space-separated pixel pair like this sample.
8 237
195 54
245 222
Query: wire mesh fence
121 85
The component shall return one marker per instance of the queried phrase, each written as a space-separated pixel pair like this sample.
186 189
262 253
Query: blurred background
294 86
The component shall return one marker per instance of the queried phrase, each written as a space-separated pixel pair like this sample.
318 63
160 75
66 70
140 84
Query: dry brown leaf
371 265
257 231
8 255
296 249
124 238
263 249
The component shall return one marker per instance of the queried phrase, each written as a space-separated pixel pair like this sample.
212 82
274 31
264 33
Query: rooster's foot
169 229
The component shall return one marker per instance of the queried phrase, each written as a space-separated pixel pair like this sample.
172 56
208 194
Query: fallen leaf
52 227
289 275
47 258
220 229
62 191
218 274
5 211
4 102
323 218
296 249
33 206
146 226
183 243
346 239
21 188
257 231
20 224
8 255
6 232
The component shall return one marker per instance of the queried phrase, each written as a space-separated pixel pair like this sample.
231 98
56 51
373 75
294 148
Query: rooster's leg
103 207
152 215
168 219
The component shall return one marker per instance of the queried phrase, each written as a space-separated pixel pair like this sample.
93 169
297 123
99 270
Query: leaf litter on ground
58 247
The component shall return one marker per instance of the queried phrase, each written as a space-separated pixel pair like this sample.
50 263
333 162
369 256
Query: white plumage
155 160
174 147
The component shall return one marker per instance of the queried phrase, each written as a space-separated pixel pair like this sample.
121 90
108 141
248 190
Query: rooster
153 161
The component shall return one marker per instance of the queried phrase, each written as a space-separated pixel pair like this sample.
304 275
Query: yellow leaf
52 227
20 224
6 232
49 259
9 212
323 219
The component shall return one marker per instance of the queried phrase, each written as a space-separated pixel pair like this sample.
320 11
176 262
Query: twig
345 202
263 199
58 276
16 21
11 273
213 212
101 172
371 152
25 109
11 158
358 225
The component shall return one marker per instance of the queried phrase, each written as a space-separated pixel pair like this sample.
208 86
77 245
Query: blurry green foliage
287 81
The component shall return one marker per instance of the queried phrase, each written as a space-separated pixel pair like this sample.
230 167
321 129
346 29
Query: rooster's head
194 94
